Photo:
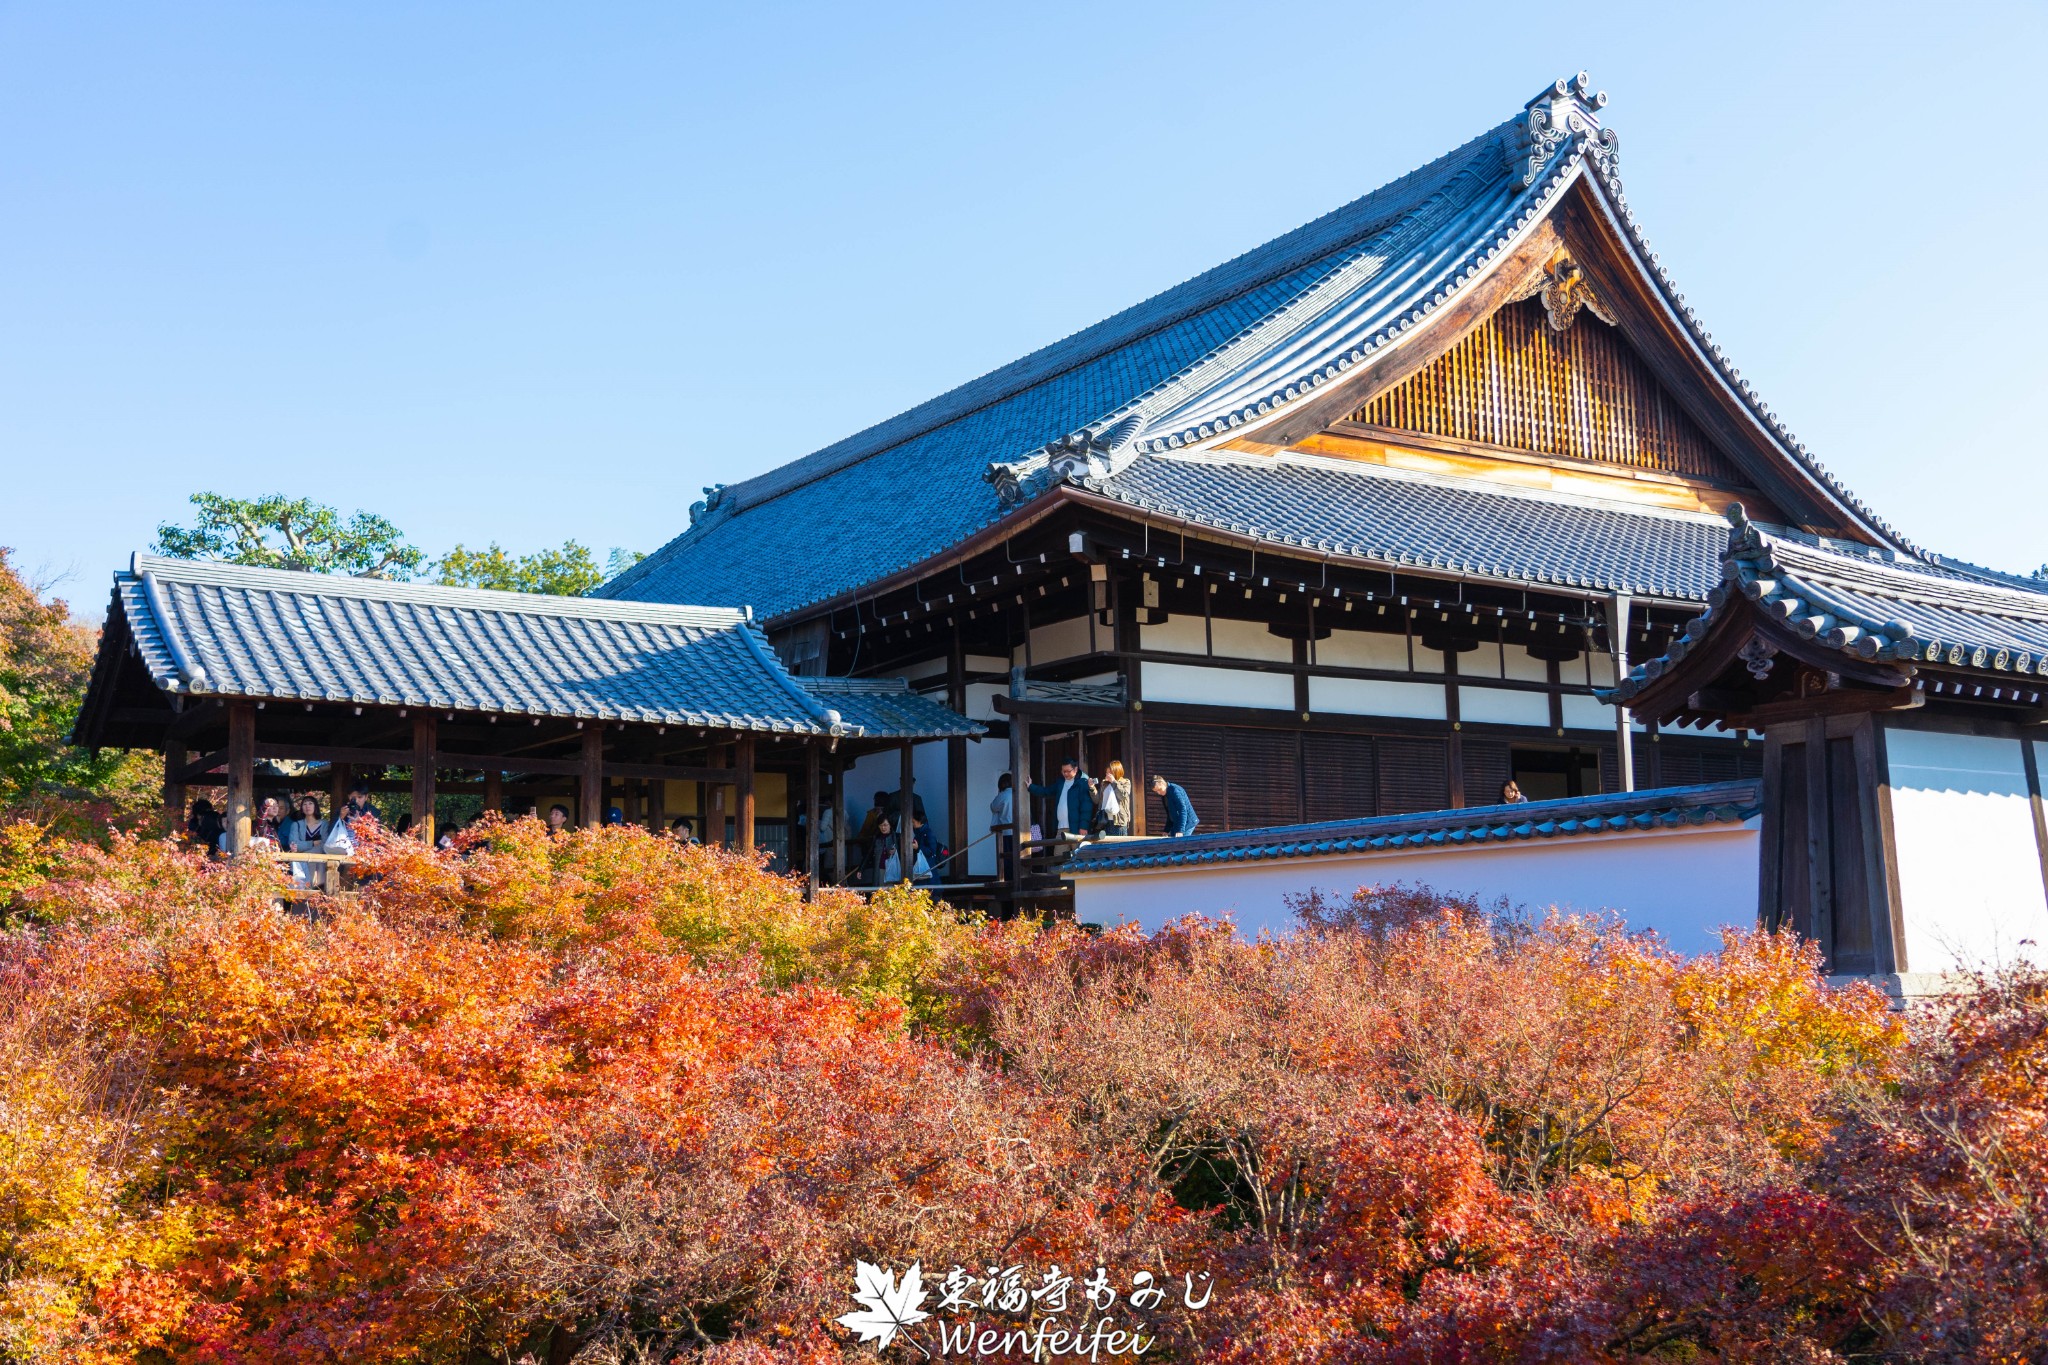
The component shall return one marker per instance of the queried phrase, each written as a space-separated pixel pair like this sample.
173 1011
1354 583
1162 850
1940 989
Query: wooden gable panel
1579 394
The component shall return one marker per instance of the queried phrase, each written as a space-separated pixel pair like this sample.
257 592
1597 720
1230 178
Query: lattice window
1581 393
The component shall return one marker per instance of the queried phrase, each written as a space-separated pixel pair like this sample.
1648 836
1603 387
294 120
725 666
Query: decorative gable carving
1527 379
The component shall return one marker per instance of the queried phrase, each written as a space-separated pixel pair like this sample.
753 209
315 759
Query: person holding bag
1113 807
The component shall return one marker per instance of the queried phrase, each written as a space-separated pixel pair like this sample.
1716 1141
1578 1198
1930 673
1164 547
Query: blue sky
526 272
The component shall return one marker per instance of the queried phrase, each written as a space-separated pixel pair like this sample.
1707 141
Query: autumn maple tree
614 1097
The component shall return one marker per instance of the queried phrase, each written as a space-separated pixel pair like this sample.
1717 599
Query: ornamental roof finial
1568 107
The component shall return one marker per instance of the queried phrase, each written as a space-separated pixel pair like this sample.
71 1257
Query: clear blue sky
525 272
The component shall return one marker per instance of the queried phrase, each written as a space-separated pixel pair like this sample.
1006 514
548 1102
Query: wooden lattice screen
1581 393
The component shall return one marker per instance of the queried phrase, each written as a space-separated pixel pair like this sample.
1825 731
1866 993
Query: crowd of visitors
1082 807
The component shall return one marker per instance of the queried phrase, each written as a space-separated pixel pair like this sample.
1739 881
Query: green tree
571 571
45 661
277 532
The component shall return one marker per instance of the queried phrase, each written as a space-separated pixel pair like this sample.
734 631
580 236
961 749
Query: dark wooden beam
743 760
241 774
811 809
423 776
590 779
174 785
1842 702
906 840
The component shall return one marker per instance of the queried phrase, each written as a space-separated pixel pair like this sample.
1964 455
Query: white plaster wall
1249 640
1060 640
1195 686
1358 697
1584 713
1375 649
1685 883
1175 635
1969 867
1501 706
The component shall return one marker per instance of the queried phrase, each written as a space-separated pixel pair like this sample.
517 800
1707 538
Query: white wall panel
1586 713
1969 867
1249 640
1503 706
1358 697
1375 649
1685 884
1190 685
1175 635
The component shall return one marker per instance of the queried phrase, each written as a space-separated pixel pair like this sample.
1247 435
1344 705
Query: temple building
1342 536
1355 525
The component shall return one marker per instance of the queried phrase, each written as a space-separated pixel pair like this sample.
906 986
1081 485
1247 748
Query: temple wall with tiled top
1684 883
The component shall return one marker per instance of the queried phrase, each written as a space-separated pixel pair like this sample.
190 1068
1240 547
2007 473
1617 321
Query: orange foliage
613 1095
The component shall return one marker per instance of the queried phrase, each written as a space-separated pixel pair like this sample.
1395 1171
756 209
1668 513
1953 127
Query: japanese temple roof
1871 605
218 630
1119 406
887 706
1574 816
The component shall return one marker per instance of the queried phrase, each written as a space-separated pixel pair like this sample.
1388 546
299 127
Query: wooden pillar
241 809
839 813
657 805
590 780
906 842
744 767
1454 745
423 729
494 791
811 817
1020 789
338 776
174 790
956 759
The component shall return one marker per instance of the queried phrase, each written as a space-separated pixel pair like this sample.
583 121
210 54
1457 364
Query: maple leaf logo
886 1306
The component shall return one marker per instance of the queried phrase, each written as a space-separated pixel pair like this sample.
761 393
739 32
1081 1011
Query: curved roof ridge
217 574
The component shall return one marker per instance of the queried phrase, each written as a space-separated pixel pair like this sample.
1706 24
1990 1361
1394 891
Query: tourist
268 822
1511 793
1180 812
305 834
874 817
1115 807
1074 805
1002 822
558 818
879 851
203 825
681 828
358 806
927 840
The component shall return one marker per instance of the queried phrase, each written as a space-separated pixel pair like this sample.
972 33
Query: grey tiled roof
224 630
1615 813
1187 368
887 707
1871 605
1463 526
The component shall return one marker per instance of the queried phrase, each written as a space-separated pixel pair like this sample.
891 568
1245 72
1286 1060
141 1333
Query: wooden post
744 754
423 728
338 775
494 791
839 812
1020 790
174 791
590 782
1127 642
657 805
956 760
906 841
241 809
811 816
